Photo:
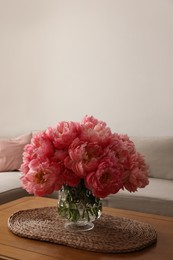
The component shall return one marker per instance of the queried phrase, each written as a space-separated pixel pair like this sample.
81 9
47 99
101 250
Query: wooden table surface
14 247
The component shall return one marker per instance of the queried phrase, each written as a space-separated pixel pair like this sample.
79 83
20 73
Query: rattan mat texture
110 234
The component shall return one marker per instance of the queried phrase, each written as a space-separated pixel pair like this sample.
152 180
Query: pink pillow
11 152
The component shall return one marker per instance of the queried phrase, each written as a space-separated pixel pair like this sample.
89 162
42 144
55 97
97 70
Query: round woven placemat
110 234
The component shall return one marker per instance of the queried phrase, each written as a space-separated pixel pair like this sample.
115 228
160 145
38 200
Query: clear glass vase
79 207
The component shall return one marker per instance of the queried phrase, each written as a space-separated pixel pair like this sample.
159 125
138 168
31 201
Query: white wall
63 59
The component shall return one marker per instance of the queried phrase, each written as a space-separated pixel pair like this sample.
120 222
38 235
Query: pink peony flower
86 152
63 134
137 175
69 177
42 178
106 179
83 157
95 131
41 147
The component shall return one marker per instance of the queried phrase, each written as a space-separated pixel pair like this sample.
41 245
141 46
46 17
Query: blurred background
64 59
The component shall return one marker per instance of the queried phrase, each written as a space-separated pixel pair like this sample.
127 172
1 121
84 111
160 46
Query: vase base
79 226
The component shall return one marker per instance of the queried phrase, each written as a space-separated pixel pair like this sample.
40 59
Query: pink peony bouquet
72 152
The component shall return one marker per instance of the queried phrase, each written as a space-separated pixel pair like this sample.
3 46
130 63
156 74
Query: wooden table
14 247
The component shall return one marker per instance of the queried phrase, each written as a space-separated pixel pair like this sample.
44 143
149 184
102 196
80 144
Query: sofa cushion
156 198
9 181
10 187
11 151
158 152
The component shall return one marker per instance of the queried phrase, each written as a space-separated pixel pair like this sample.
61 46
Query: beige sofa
156 198
11 150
